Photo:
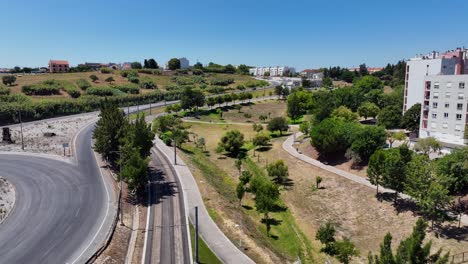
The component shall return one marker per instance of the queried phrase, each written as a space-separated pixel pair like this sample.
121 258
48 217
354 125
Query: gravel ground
35 141
7 198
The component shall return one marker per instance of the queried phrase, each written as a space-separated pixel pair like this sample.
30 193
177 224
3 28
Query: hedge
222 81
34 110
83 84
4 90
127 88
104 91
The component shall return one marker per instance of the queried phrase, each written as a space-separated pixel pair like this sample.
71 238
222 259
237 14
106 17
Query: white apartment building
184 63
445 108
438 83
274 71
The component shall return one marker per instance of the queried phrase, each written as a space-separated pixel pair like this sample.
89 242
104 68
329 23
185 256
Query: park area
302 207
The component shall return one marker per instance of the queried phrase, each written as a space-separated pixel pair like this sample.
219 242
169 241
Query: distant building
315 76
5 70
184 63
439 83
370 70
95 66
309 73
126 66
273 71
57 66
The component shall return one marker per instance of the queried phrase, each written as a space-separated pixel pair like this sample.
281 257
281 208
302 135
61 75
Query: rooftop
59 62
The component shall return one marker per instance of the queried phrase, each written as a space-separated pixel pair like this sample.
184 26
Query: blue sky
304 34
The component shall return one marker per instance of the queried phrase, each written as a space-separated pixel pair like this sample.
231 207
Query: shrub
145 71
216 89
133 79
222 81
127 73
73 92
48 87
256 83
104 91
147 83
4 90
181 80
9 79
83 84
333 136
127 88
106 70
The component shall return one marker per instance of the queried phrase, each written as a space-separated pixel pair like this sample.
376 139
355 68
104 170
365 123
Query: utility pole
21 128
196 235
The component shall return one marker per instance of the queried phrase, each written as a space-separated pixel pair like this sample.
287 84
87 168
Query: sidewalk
221 246
288 146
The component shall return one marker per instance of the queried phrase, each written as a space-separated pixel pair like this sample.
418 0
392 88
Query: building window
449 85
446 115
447 105
434 115
436 95
445 125
459 116
459 106
461 96
461 85
434 105
433 125
447 94
436 85
457 127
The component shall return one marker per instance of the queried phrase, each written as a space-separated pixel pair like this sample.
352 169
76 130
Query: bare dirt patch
7 198
59 131
351 206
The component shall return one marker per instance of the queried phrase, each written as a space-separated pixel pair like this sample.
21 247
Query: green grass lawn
204 252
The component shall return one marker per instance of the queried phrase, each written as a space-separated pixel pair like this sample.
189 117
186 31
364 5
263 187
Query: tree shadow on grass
453 232
402 205
264 148
247 207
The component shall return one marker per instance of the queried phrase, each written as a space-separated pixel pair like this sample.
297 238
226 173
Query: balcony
426 107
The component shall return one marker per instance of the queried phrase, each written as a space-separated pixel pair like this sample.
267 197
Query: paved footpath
288 146
221 246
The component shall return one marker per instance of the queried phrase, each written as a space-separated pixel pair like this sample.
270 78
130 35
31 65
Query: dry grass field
352 207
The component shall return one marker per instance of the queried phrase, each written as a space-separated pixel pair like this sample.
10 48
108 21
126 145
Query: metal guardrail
460 258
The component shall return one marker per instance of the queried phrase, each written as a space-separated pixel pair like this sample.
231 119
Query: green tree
386 254
436 203
110 80
278 124
140 136
135 171
266 198
278 170
368 83
318 180
9 79
345 114
152 64
428 145
345 250
410 249
243 69
376 168
240 191
395 171
108 131
393 136
452 170
93 78
411 118
368 109
261 139
389 117
173 64
232 141
367 140
326 235
136 65
257 127
332 136
279 90
327 82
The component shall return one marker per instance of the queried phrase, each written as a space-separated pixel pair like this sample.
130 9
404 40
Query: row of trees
433 184
124 144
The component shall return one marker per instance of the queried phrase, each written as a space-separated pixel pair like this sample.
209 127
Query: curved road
61 208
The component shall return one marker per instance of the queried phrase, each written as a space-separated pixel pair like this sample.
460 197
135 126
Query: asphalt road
60 207
167 238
